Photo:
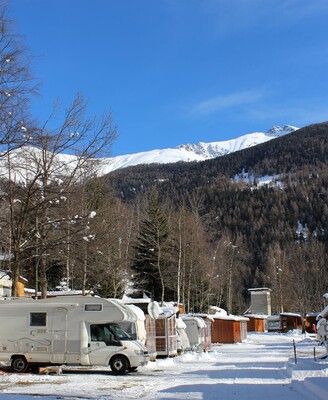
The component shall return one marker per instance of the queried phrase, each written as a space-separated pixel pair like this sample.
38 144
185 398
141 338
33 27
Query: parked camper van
73 330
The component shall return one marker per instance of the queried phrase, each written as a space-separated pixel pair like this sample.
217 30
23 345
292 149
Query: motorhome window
108 333
38 319
129 328
119 332
102 333
93 307
99 333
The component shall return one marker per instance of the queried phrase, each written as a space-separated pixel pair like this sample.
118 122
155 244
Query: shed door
59 335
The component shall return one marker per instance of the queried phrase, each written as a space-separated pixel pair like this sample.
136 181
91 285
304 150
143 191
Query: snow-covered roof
256 316
289 314
130 300
264 289
231 317
217 311
204 316
312 314
64 292
199 321
172 309
167 313
273 317
56 292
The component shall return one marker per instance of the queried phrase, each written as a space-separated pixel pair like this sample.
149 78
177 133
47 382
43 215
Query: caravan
73 330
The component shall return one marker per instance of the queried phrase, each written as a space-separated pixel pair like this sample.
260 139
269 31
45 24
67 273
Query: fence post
294 351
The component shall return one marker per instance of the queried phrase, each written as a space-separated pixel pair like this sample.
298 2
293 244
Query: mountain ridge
22 159
286 154
200 151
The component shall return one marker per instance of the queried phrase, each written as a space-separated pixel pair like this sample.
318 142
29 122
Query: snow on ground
263 367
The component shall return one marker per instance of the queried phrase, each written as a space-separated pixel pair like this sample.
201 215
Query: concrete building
260 301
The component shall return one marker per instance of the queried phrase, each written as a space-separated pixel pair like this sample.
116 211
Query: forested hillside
304 148
200 234
287 218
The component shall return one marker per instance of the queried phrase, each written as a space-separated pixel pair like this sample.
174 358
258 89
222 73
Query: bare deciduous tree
16 87
56 161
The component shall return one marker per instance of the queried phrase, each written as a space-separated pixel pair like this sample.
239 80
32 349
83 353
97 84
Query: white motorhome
74 330
322 329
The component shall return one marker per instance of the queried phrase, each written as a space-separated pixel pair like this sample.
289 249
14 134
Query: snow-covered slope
193 152
24 160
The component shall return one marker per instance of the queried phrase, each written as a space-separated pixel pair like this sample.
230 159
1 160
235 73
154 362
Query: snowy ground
263 367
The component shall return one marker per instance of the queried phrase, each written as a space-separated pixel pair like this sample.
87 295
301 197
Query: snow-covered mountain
193 152
24 160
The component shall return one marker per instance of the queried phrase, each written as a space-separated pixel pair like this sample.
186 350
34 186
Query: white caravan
136 329
195 328
74 330
183 343
322 329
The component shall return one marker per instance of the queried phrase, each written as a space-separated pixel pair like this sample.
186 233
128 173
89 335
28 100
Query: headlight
139 352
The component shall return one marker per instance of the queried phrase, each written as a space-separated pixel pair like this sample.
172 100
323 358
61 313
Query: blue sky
180 71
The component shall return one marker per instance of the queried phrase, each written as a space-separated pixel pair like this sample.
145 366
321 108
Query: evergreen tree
151 251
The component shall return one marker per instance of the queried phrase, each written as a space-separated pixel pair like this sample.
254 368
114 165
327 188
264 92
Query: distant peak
277 130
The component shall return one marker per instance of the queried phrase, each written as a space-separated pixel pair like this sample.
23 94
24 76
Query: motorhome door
102 344
59 335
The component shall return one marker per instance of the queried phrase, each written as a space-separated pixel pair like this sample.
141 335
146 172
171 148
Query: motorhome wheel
19 364
119 364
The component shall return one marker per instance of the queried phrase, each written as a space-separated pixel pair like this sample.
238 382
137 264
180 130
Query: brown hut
229 329
311 322
290 321
256 323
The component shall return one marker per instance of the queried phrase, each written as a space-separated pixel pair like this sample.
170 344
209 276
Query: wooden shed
284 322
290 321
256 323
311 322
229 329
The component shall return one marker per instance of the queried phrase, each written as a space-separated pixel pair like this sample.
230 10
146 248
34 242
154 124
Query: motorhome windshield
118 332
109 333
